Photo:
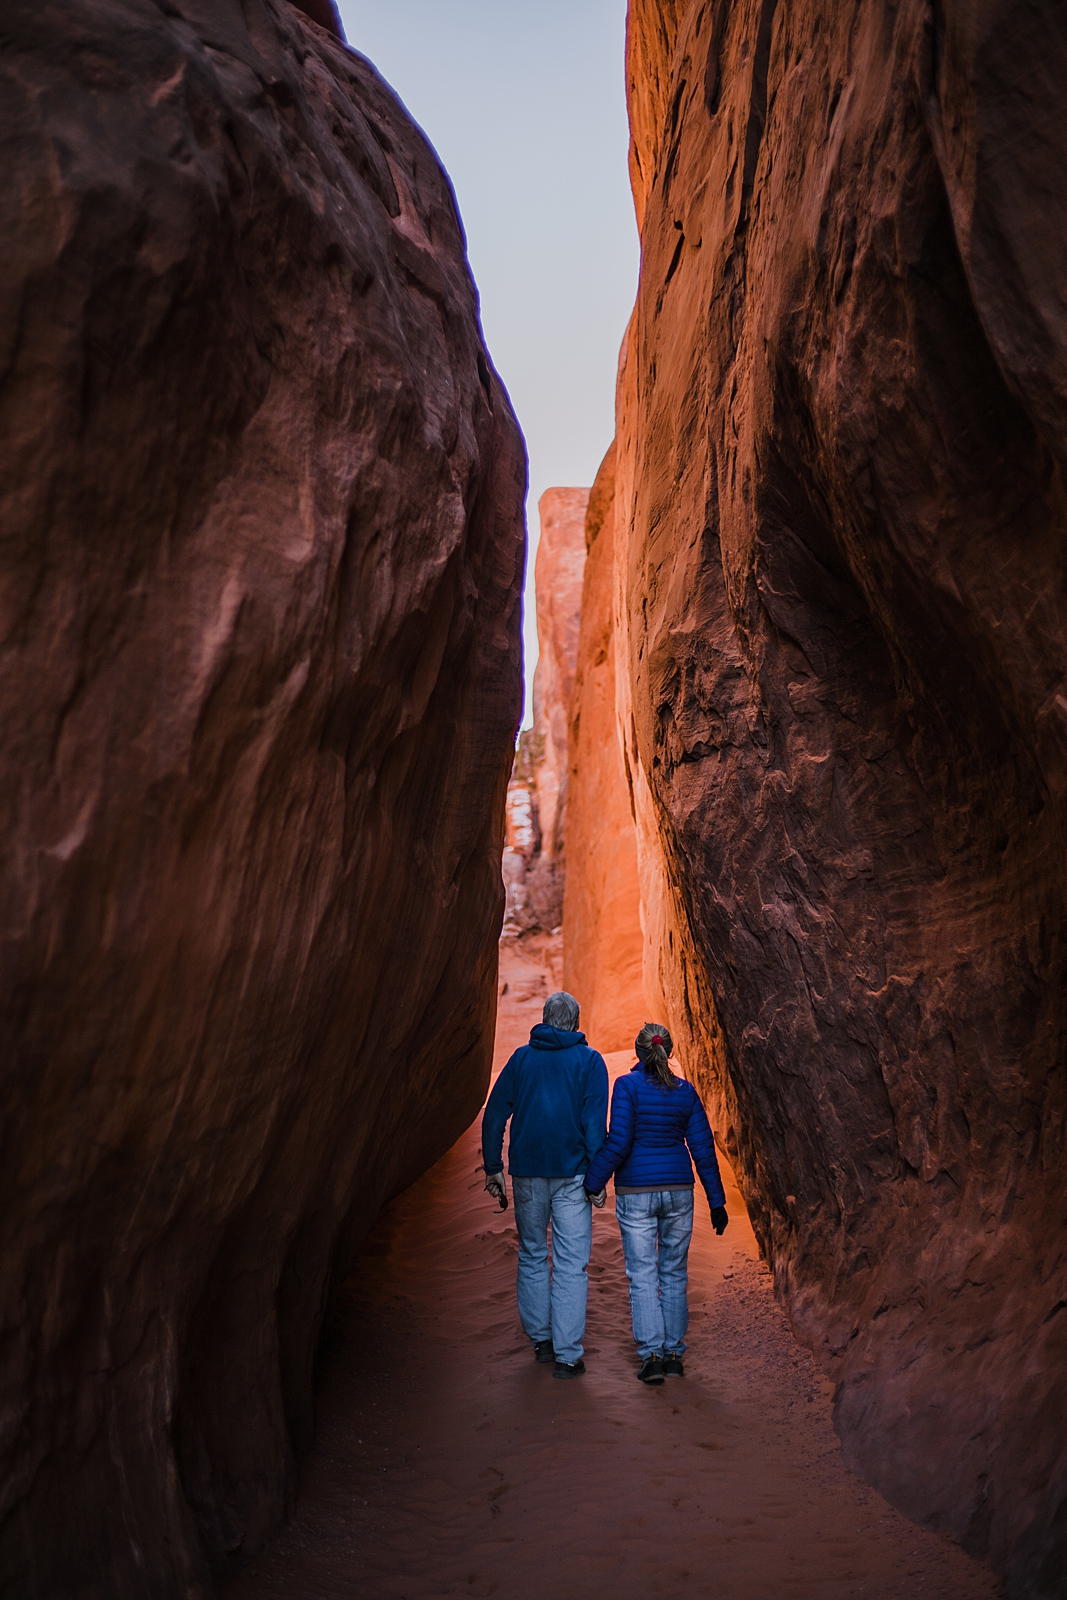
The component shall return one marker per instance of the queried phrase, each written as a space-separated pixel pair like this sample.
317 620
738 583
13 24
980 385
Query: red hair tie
657 1038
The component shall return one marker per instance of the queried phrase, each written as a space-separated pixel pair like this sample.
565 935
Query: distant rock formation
537 795
840 640
602 944
532 900
559 570
262 511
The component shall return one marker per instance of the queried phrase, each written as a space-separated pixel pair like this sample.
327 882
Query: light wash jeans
656 1230
553 1310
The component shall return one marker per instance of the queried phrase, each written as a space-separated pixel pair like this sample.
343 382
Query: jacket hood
544 1037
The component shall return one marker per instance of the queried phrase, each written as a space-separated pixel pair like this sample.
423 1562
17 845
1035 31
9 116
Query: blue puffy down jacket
650 1129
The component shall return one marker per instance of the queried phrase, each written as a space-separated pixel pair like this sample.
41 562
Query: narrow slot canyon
288 880
448 1463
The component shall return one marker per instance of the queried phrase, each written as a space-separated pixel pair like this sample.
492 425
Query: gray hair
561 1011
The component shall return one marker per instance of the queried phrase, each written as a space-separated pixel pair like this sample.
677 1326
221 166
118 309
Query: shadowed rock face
843 534
324 12
261 565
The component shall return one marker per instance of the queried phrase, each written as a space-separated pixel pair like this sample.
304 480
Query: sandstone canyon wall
530 887
558 573
602 946
537 794
841 650
262 556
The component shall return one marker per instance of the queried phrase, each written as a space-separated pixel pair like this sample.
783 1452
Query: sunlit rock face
602 946
842 533
558 581
537 795
262 512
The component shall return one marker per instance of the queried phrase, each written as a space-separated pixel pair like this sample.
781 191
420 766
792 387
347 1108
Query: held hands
719 1219
598 1198
495 1185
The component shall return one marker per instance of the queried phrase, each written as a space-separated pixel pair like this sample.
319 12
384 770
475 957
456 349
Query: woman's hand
598 1198
719 1219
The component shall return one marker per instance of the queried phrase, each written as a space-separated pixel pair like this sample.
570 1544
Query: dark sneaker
672 1365
544 1353
568 1369
651 1369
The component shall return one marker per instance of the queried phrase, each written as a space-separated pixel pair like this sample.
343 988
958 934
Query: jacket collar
642 1066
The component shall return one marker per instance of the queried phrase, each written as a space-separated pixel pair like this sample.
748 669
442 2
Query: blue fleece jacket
650 1128
555 1090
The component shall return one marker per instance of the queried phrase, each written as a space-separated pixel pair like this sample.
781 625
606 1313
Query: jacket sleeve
498 1109
620 1138
595 1105
701 1142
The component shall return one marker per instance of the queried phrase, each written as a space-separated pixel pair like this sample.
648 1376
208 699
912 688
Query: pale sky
524 101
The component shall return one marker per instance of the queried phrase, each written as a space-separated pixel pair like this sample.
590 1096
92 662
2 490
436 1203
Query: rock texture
537 794
842 650
602 945
532 900
558 585
324 12
261 564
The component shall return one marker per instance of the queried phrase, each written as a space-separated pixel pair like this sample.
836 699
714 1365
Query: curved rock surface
603 951
842 526
262 556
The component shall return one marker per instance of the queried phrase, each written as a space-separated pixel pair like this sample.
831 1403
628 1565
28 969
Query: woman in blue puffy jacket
654 1117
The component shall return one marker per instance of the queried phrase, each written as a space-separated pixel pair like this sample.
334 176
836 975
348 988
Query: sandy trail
448 1463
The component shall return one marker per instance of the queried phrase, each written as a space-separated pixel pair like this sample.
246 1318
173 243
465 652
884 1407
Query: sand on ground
449 1463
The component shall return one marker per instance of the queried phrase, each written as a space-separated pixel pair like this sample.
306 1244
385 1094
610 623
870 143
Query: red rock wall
324 12
841 524
532 893
558 584
262 556
537 794
603 950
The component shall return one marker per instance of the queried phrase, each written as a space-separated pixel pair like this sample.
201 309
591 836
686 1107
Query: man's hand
598 1198
495 1185
719 1219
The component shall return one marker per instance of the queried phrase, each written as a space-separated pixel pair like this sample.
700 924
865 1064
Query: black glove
719 1219
495 1185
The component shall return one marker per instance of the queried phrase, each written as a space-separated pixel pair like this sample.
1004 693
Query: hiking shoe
672 1364
544 1353
651 1369
568 1369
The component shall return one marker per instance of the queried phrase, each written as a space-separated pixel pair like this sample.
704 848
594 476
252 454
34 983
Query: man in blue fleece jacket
555 1091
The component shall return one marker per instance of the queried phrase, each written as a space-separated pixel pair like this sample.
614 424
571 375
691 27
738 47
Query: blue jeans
553 1310
656 1229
